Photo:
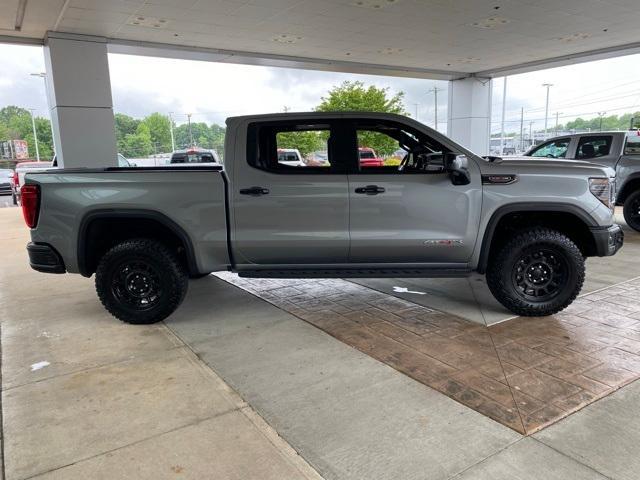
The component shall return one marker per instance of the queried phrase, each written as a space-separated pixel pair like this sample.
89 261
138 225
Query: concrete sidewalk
85 396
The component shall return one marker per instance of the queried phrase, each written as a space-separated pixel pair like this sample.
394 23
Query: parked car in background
368 157
195 155
6 181
21 170
618 150
291 157
443 212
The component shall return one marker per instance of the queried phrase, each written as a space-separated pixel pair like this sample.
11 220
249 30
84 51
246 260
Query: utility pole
531 134
35 134
546 109
173 142
601 114
435 91
416 104
556 131
190 132
521 129
504 107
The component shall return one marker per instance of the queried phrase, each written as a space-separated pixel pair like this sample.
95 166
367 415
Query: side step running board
357 273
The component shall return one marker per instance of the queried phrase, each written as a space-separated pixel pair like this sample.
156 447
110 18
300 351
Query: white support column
79 96
469 113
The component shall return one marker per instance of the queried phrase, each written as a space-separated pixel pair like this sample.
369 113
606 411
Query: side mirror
457 166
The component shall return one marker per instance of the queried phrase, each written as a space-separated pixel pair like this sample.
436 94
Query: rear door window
594 146
632 145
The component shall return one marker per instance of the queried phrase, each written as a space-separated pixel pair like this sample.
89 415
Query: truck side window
290 148
553 149
388 147
632 145
594 146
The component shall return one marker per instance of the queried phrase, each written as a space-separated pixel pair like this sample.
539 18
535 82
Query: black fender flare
129 213
501 212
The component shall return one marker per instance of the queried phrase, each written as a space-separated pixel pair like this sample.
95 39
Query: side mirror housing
457 166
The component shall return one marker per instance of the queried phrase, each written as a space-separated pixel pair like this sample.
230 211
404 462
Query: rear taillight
30 200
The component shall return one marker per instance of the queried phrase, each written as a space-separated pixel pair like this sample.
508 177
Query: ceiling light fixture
374 4
22 7
574 37
287 38
150 22
390 51
490 23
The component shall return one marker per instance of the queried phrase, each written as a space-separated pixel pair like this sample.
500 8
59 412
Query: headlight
602 190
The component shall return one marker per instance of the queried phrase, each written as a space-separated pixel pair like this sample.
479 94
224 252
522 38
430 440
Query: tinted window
288 147
367 154
594 146
192 157
553 149
632 145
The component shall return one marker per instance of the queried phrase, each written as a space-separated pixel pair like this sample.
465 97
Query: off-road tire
160 272
631 210
508 285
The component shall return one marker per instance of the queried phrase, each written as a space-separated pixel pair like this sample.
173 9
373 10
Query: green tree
160 131
124 125
138 144
356 97
305 141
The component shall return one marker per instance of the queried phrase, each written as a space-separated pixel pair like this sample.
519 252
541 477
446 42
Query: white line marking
39 365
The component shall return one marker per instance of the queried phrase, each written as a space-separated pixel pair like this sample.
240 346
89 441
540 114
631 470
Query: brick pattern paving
524 373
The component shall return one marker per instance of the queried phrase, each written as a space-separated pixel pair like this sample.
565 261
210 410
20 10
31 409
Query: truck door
410 212
288 213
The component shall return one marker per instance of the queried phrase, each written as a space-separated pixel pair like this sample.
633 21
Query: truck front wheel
632 211
140 281
538 272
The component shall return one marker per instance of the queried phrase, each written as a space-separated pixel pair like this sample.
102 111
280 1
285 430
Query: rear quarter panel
195 201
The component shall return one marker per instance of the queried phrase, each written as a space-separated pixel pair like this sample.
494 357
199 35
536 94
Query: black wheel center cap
539 273
138 284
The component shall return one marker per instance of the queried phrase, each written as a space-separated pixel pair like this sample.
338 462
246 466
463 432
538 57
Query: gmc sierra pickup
444 211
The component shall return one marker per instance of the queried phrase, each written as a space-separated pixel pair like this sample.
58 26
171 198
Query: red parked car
368 158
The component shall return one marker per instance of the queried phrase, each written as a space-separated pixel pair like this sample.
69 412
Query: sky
214 91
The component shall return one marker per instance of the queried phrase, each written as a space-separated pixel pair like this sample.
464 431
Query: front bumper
44 258
608 240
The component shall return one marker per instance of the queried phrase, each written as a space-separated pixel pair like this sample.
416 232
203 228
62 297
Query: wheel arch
123 224
631 184
568 218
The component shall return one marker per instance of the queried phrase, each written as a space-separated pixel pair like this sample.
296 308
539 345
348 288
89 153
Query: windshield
552 149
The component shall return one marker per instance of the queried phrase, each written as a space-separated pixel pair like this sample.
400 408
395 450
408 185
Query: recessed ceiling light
491 22
374 4
390 51
286 38
150 22
574 37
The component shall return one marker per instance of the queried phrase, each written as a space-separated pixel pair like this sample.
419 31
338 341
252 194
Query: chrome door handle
254 191
370 190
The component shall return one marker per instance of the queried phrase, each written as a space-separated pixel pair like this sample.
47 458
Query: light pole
504 106
43 76
190 133
546 109
601 114
435 102
557 116
173 142
35 134
531 134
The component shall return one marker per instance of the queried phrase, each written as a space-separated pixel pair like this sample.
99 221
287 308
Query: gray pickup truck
440 211
618 150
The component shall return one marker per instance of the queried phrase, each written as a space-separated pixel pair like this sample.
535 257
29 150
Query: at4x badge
444 243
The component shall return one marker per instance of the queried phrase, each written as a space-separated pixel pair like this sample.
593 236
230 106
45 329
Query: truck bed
190 200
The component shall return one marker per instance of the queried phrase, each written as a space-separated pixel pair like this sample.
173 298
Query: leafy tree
305 141
356 97
16 124
125 125
138 144
160 131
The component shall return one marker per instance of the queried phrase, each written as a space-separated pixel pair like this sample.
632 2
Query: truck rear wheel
538 272
140 281
632 211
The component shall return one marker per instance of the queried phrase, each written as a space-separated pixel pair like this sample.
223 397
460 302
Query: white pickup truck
442 212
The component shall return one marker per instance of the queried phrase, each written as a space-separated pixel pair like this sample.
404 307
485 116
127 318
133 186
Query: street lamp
43 76
557 115
601 114
35 134
546 109
173 142
190 133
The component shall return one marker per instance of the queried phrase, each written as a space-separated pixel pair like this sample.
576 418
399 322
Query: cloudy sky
212 92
